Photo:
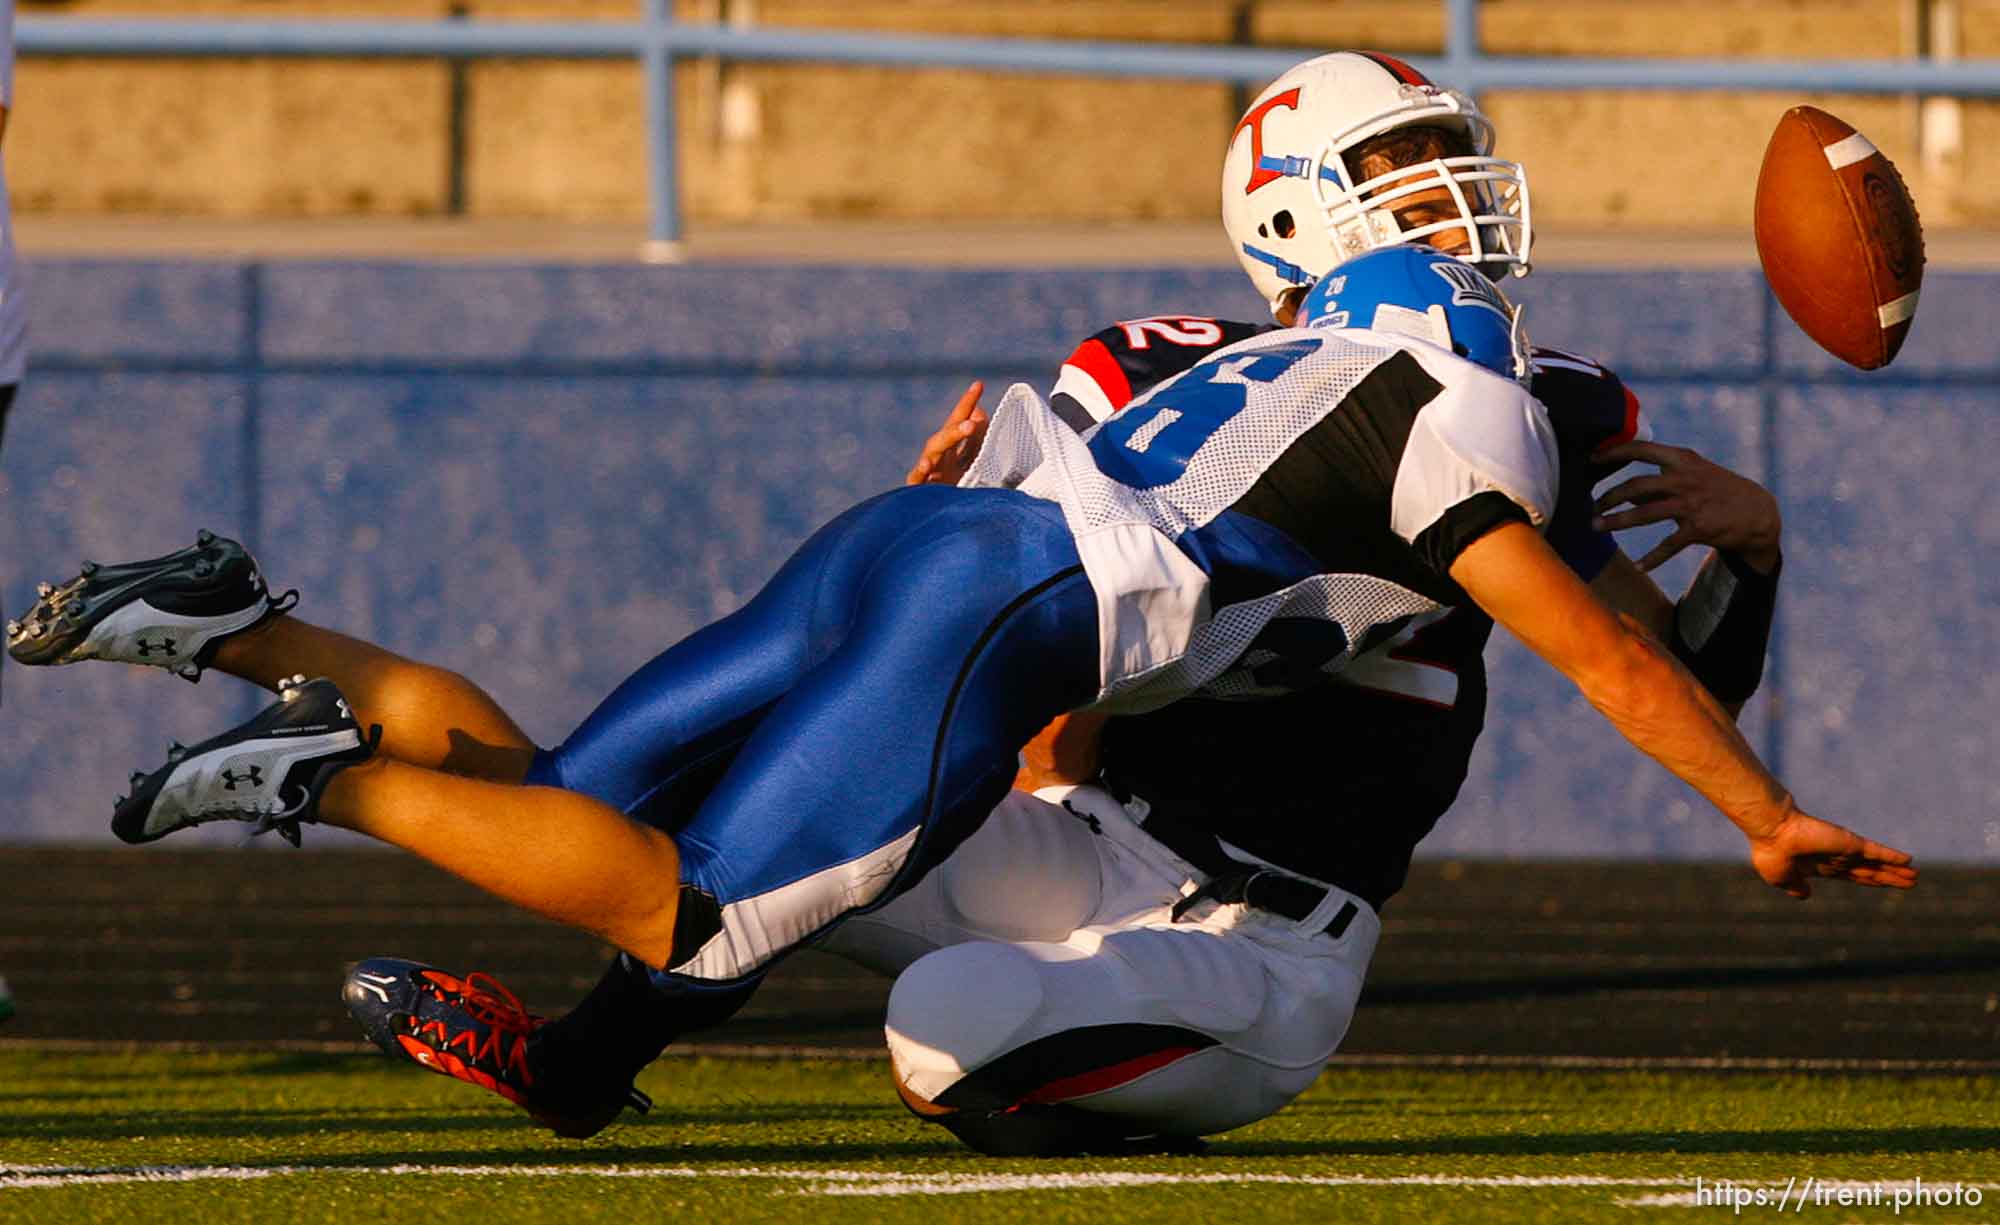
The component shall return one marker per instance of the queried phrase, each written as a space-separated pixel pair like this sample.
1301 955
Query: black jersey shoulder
1127 359
1588 406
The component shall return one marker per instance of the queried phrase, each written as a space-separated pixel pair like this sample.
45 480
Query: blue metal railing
657 40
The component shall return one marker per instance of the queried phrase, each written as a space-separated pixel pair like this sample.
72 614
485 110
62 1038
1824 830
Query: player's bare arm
1720 627
1631 592
1658 706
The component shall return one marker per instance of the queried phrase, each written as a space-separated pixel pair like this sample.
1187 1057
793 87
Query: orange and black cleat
475 1030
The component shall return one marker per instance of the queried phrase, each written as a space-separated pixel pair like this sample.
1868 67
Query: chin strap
1524 354
1722 625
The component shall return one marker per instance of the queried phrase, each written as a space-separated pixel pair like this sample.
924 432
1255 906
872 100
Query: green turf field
241 1138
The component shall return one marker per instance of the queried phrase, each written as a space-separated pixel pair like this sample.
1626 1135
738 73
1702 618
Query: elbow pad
1722 625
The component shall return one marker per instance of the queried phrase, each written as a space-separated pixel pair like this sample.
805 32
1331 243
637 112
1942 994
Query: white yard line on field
810 1181
1684 1192
972 1184
13 1177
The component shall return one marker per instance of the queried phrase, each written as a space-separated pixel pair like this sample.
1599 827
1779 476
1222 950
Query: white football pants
1039 964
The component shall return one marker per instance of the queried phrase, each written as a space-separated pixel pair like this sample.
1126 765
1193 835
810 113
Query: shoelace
489 1001
286 827
272 810
276 816
483 998
270 813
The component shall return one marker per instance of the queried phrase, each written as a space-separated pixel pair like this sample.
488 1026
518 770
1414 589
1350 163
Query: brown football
1838 237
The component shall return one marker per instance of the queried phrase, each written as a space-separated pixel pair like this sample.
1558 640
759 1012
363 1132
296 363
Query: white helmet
1291 206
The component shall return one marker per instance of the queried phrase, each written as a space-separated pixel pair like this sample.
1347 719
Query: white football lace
268 812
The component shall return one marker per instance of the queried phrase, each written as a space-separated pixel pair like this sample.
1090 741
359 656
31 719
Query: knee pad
956 1009
980 1045
987 891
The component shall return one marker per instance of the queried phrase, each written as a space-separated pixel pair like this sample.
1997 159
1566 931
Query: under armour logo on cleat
230 778
165 646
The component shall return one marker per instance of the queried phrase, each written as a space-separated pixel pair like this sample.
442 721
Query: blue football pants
816 752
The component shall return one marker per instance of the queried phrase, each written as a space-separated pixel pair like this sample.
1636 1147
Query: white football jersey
1253 524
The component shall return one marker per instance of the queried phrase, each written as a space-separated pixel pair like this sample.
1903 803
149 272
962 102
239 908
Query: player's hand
1707 502
950 451
1803 846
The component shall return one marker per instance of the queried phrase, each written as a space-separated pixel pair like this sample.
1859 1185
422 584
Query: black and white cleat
269 771
166 612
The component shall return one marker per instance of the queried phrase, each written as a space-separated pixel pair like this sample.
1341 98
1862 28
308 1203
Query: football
1838 237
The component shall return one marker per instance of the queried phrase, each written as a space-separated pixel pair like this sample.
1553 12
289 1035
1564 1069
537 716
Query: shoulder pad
1125 360
1589 406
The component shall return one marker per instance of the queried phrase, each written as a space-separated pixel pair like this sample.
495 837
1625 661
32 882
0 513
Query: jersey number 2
1187 331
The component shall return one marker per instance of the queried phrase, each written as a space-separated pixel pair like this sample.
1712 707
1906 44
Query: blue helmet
1415 291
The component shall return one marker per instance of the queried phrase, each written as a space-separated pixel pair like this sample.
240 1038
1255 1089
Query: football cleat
474 1030
168 612
270 770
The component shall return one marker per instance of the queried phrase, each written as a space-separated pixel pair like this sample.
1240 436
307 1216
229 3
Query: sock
602 1043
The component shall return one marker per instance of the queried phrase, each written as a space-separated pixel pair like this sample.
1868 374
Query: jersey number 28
1150 443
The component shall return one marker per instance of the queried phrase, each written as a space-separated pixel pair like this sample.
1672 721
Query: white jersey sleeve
1482 435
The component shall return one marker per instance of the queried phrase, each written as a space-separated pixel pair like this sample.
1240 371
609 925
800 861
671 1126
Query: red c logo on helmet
1259 173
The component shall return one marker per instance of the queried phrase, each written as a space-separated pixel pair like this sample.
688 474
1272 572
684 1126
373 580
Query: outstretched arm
1656 705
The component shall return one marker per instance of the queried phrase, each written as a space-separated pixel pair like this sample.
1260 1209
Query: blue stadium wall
540 476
